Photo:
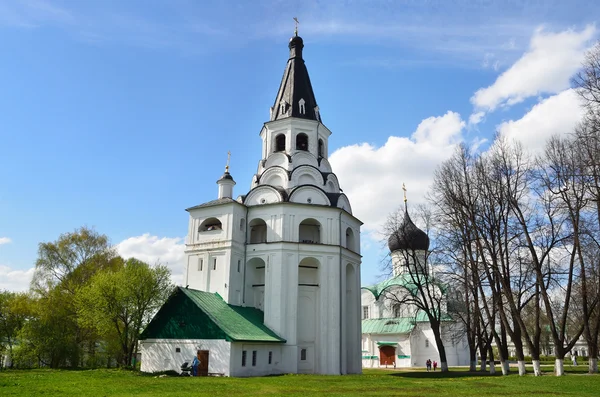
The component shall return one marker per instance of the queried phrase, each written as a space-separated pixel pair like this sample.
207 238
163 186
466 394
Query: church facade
273 276
395 333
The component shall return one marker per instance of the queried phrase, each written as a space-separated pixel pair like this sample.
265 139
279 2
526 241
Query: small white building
283 259
398 335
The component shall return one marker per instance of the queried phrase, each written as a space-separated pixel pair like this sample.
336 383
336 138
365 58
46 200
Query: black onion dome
226 176
408 237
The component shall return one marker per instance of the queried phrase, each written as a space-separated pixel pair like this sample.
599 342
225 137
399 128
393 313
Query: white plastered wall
161 354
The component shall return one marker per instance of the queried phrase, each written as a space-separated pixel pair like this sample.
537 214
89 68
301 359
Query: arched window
280 143
209 225
350 240
321 148
258 231
301 142
310 231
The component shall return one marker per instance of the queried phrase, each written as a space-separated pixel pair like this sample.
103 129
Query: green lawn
372 382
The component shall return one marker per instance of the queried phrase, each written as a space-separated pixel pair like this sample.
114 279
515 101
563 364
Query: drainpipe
341 295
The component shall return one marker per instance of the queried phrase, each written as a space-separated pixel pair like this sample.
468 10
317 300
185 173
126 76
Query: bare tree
417 287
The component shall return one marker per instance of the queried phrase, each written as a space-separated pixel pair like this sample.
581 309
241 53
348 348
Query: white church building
273 276
397 334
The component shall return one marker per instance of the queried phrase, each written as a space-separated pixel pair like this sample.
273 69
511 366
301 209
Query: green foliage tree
120 302
14 311
64 266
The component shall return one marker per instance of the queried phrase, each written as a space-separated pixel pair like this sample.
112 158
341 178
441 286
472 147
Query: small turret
226 182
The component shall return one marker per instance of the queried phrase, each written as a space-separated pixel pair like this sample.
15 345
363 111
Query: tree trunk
537 368
505 367
435 327
593 358
522 370
483 354
593 365
559 367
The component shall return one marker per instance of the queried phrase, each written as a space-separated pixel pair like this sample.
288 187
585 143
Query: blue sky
119 114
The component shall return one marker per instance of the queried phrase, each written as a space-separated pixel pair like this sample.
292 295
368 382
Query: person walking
434 366
428 365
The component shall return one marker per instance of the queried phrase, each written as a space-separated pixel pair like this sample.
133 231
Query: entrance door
203 366
387 355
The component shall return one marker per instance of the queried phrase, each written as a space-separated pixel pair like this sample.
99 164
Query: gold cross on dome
296 28
228 158
404 188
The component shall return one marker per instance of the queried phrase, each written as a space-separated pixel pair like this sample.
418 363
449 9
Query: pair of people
428 364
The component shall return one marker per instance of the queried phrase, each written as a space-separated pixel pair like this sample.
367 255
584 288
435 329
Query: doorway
387 355
203 366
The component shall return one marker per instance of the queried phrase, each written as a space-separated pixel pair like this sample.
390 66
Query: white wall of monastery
161 354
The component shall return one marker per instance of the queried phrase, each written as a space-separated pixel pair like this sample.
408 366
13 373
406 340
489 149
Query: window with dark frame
177 350
254 358
200 264
243 358
215 264
239 265
303 354
280 143
270 357
365 312
301 142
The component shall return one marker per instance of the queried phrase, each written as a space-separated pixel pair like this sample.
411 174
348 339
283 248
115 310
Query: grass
373 382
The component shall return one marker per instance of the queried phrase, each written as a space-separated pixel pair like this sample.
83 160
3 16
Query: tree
417 288
14 311
120 302
62 268
71 260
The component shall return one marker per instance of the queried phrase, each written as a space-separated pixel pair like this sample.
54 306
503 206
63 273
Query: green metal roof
402 280
407 281
401 325
398 325
193 314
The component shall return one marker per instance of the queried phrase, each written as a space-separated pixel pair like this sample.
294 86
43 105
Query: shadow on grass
444 375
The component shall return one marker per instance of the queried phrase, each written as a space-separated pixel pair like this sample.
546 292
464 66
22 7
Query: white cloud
557 114
5 240
546 67
15 280
372 176
476 118
152 249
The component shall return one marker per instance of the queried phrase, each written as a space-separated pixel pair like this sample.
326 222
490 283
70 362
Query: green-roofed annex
193 314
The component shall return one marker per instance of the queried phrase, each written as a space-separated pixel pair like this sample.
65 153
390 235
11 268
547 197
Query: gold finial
296 28
228 158
404 188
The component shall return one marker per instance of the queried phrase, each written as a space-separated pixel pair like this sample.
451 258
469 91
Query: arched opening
258 231
310 231
308 313
280 143
301 142
321 148
255 283
308 272
350 244
210 224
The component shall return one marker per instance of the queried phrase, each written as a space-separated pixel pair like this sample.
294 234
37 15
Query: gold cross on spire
404 188
228 158
296 28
